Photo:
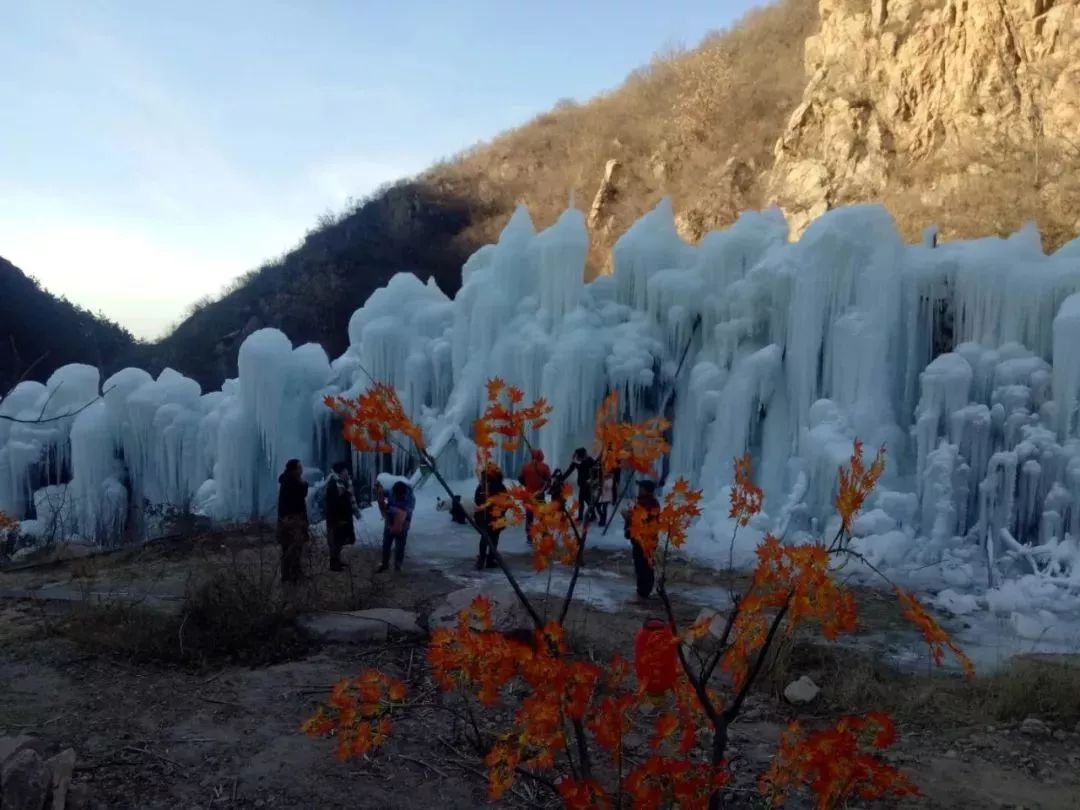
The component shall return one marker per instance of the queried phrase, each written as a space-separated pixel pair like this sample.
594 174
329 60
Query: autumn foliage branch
564 710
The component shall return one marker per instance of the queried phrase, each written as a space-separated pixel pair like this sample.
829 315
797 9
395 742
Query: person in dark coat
643 569
486 515
585 466
292 524
341 508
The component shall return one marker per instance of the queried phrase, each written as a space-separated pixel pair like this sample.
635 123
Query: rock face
892 83
604 194
28 781
24 781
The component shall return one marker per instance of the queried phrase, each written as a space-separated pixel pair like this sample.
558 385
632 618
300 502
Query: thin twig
492 551
220 702
579 561
147 752
42 421
421 762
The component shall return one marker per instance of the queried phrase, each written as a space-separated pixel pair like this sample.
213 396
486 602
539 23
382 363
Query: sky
151 152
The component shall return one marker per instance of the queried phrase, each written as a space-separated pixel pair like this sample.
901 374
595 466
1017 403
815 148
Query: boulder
506 611
10 746
24 781
1034 727
61 767
802 691
343 627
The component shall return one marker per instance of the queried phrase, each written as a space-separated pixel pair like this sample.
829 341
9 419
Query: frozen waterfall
962 359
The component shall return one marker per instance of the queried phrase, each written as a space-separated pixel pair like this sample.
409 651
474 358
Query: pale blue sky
152 151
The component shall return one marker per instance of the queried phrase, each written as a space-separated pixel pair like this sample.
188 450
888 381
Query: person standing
643 567
397 517
341 508
608 490
535 477
487 515
585 465
292 524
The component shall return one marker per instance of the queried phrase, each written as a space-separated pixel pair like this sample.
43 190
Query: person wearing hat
535 477
643 569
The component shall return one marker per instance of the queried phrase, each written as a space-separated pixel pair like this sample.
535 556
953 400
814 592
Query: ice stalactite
150 451
19 453
958 357
1066 354
650 245
98 496
561 251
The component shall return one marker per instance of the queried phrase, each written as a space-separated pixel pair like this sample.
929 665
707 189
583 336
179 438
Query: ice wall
960 358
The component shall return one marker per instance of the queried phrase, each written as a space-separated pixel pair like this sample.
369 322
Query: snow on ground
1019 617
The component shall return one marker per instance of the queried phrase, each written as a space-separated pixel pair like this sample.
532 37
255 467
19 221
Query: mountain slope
699 125
40 332
955 112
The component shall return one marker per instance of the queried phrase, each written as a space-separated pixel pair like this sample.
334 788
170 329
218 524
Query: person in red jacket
535 477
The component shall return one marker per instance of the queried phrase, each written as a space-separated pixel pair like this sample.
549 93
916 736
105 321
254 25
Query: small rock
342 627
1060 735
716 619
990 729
951 754
24 781
10 746
802 691
1034 727
61 767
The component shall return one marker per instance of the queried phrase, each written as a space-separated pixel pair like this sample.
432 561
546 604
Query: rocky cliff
928 104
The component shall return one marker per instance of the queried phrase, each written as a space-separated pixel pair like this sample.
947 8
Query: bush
235 614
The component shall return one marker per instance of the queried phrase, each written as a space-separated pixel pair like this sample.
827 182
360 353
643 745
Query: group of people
597 494
341 510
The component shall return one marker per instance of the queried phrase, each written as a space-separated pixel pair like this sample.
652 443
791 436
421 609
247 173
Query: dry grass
235 612
855 682
991 191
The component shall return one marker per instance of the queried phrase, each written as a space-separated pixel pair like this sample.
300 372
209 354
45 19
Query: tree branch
733 710
579 561
68 415
699 687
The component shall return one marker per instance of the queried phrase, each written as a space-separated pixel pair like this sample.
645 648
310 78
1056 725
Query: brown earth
155 729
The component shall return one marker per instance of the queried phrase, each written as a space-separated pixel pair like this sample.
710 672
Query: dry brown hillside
963 113
698 125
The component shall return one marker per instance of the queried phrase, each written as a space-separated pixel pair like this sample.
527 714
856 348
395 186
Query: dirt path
156 736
